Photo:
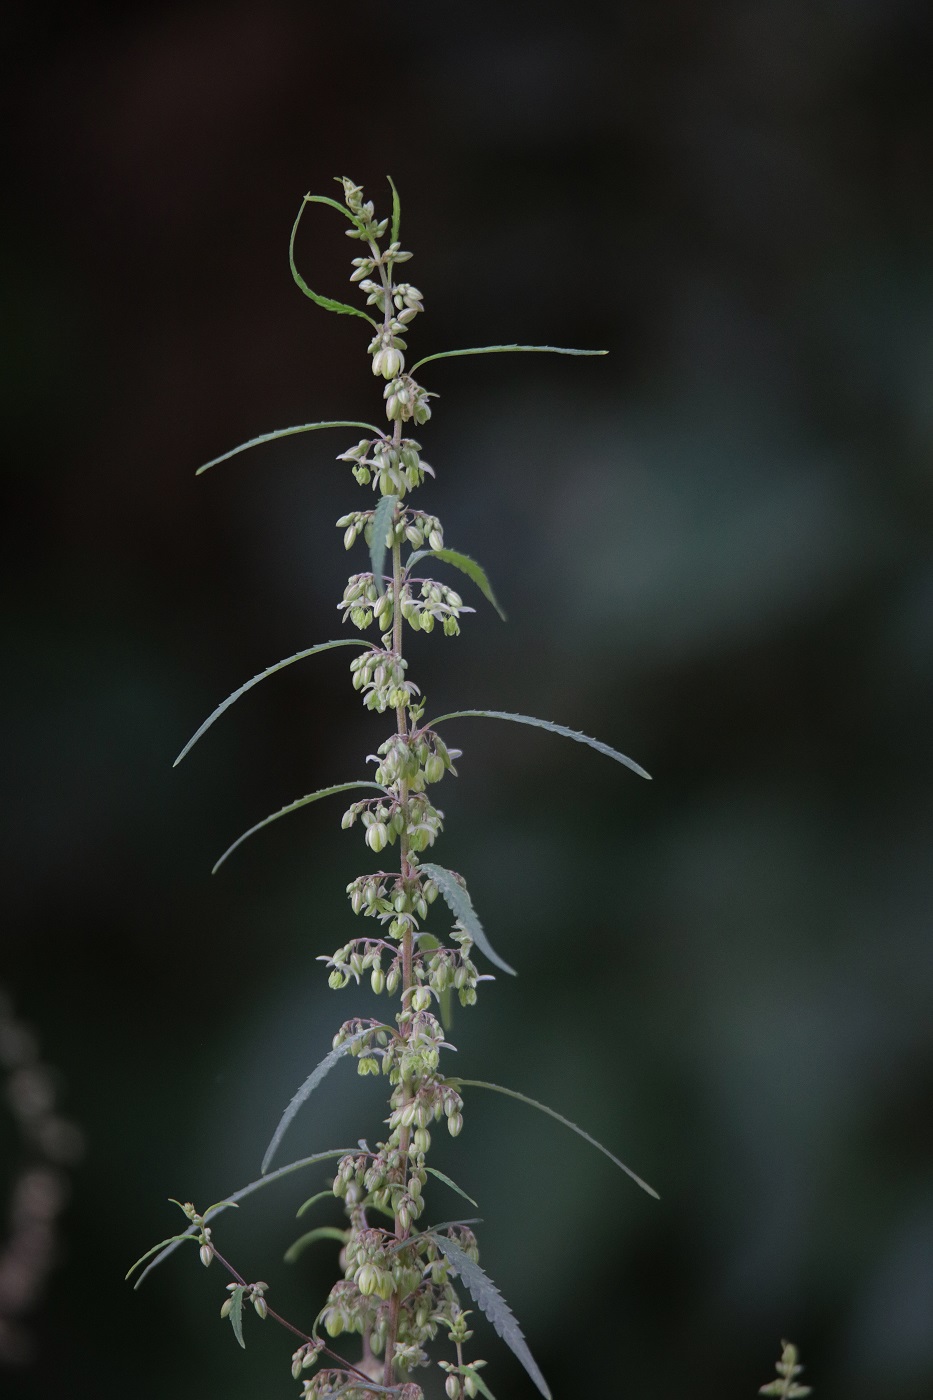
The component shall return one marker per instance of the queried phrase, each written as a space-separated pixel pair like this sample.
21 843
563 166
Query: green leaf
172 1239
466 565
328 303
396 210
502 349
552 1113
323 1232
270 671
333 204
293 807
236 1313
383 516
284 433
453 1185
562 729
481 1385
461 906
487 1297
171 1245
312 1201
307 1089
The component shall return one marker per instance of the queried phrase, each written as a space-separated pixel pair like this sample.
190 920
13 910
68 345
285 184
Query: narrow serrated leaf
452 1184
235 1196
396 210
490 1301
503 349
284 433
466 565
236 1313
461 906
323 1232
307 1089
293 807
383 516
172 1239
561 729
312 1201
552 1113
328 303
269 671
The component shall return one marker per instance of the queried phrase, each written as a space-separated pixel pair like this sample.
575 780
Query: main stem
395 1301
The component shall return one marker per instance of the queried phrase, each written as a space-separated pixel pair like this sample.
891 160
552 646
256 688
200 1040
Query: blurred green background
714 547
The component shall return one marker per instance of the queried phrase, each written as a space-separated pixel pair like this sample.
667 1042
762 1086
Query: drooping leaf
236 1313
561 729
328 303
466 565
502 349
312 1201
284 433
487 1297
172 1239
383 516
552 1113
171 1245
452 1184
307 1089
323 1232
461 906
293 807
269 671
396 211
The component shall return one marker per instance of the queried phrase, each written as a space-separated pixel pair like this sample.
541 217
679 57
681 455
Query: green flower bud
455 1124
452 1386
377 980
434 768
206 1254
259 1303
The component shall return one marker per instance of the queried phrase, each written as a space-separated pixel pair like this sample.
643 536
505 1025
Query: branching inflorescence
403 1282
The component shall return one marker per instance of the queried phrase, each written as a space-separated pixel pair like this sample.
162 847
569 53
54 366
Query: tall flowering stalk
404 1283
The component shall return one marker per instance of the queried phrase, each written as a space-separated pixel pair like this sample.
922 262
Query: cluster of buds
254 1293
305 1357
366 226
446 969
380 675
386 350
437 603
413 526
406 400
353 960
369 895
416 760
393 467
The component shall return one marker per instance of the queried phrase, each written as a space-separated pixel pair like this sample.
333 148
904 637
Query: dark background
714 547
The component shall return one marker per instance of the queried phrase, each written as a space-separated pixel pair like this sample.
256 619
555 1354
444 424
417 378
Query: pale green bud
455 1124
452 1386
377 836
259 1303
366 1279
206 1254
434 768
377 981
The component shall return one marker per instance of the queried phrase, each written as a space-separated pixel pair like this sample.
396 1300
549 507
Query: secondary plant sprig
402 1283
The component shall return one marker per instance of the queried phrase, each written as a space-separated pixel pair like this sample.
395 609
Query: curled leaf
396 211
284 433
323 1232
561 729
552 1113
307 1089
461 906
328 303
502 349
269 671
293 807
452 1184
466 565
